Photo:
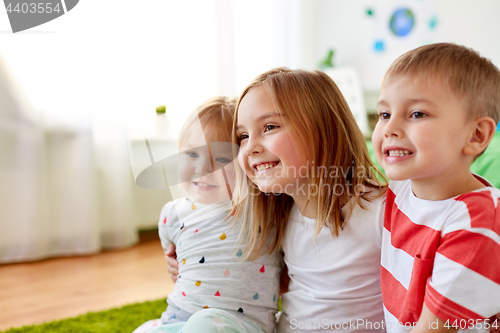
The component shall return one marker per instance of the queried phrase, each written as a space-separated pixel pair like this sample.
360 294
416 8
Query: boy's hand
495 326
425 320
428 317
173 265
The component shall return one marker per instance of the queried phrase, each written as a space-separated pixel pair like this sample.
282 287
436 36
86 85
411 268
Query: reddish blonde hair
216 116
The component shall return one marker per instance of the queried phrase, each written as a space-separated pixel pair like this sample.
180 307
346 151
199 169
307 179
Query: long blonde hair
328 136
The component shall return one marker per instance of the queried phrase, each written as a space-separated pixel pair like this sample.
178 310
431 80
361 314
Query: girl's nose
203 166
253 147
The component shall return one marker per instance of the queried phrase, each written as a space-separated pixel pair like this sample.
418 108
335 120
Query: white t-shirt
334 281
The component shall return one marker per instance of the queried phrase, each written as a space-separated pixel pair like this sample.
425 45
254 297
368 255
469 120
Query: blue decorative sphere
402 22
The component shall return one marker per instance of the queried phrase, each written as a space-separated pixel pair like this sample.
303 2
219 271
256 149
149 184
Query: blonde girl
217 289
312 191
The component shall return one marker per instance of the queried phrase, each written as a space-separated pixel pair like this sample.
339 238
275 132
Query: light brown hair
327 135
468 75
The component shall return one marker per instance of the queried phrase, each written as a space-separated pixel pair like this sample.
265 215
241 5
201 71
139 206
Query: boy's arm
464 285
429 322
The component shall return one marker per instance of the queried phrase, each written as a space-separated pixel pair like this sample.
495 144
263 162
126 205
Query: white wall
345 27
120 64
472 23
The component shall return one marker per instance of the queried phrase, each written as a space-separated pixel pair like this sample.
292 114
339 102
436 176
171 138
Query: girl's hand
173 265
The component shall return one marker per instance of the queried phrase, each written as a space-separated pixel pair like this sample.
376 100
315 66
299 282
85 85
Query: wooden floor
33 293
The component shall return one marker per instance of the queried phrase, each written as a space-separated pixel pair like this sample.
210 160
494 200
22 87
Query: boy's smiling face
421 132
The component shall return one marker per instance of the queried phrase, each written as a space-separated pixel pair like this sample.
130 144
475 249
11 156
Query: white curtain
70 97
65 186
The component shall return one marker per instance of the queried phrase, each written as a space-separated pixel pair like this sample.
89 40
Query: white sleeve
380 213
163 229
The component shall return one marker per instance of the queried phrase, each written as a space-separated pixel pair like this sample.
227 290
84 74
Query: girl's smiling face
268 153
204 181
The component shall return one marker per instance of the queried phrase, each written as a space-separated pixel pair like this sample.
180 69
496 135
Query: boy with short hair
438 110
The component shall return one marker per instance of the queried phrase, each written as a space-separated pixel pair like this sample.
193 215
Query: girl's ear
480 136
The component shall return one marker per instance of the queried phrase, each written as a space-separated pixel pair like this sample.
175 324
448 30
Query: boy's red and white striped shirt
444 253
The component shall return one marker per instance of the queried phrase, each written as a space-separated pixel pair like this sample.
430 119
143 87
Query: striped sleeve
465 282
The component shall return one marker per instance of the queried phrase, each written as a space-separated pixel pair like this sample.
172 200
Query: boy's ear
480 136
